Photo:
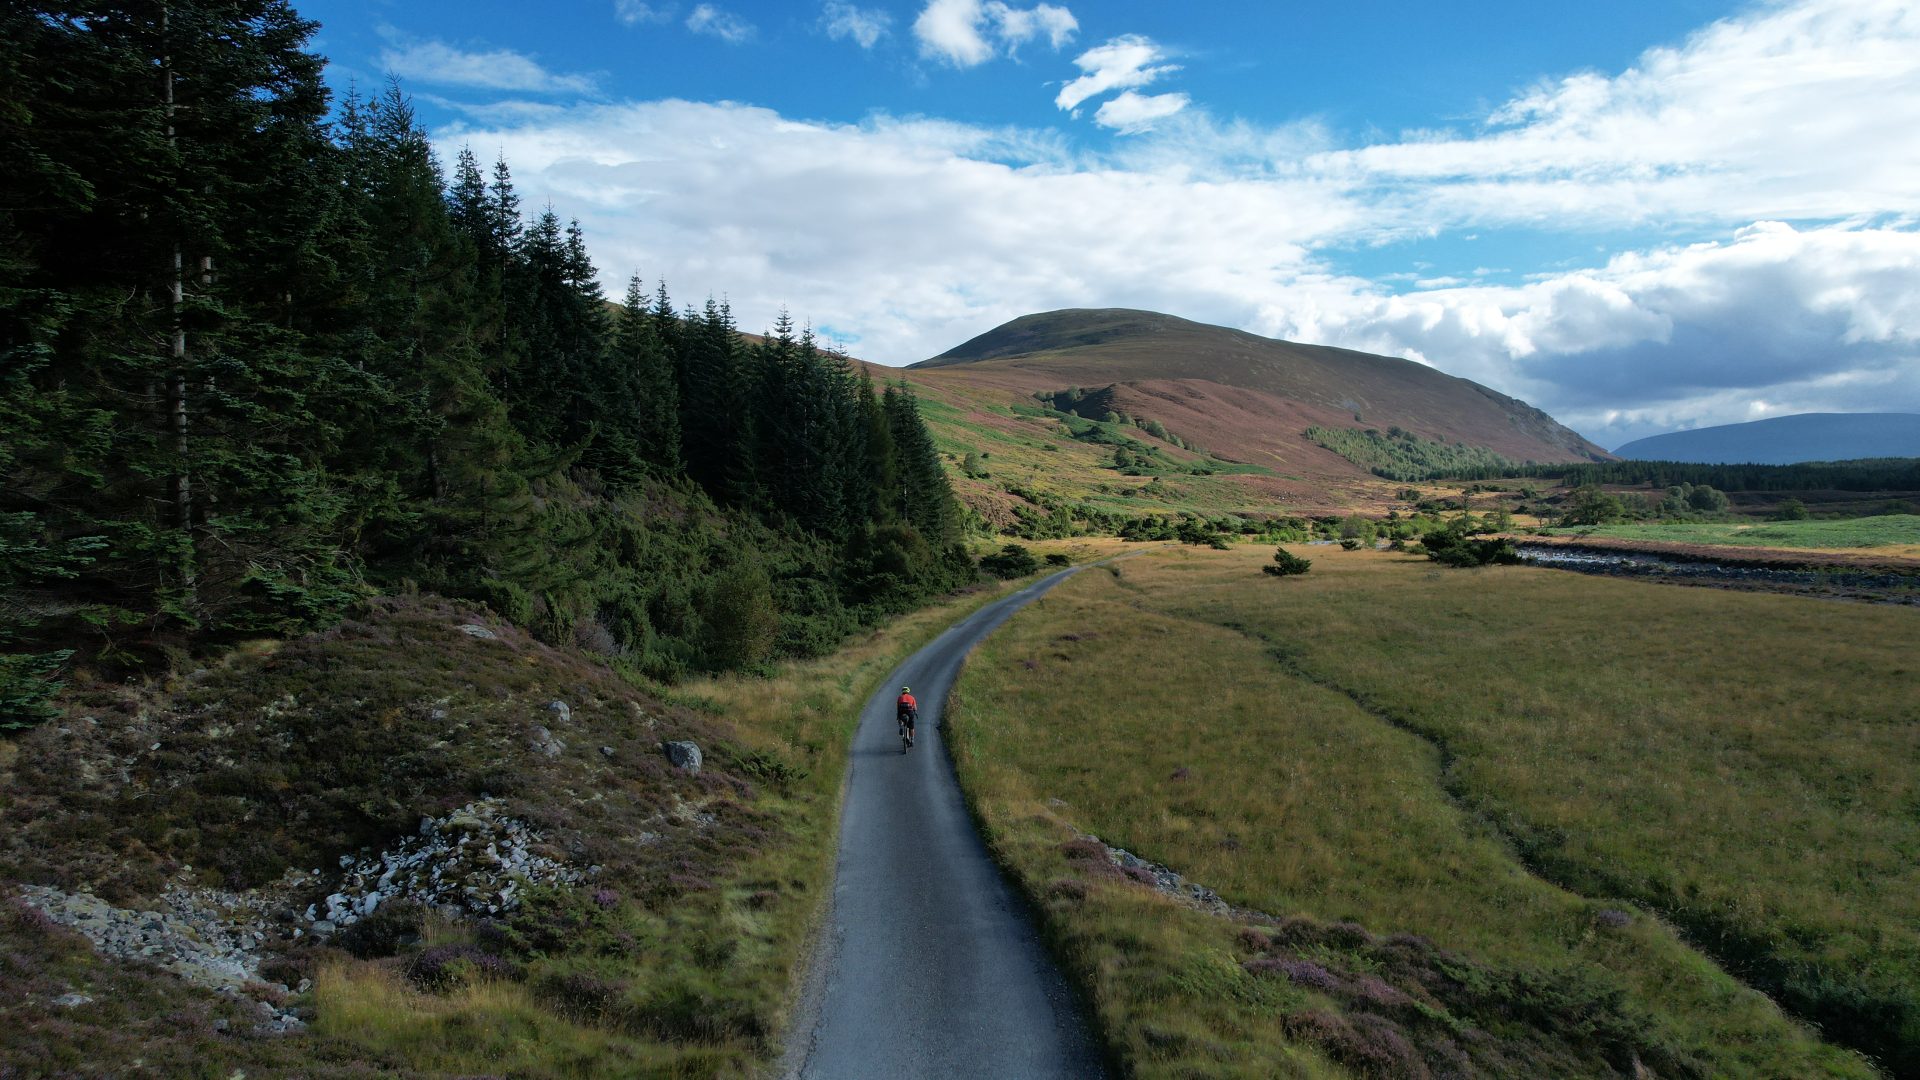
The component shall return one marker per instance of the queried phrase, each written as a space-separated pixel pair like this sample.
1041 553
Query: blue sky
1640 216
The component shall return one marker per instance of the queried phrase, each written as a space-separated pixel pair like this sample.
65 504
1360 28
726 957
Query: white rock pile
205 936
475 859
1168 881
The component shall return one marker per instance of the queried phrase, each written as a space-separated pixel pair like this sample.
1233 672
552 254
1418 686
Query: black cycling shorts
908 718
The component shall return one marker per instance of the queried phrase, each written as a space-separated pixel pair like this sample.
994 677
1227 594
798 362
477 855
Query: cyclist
906 710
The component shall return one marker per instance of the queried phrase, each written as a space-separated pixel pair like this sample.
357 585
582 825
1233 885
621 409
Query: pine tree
716 417
924 500
656 405
190 134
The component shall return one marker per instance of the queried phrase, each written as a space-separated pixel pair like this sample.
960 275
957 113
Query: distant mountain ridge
1786 440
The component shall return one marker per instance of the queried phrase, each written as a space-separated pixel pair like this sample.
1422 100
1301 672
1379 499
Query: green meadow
1886 531
1505 822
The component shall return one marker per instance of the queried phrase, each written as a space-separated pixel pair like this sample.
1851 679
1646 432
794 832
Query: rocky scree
208 937
474 860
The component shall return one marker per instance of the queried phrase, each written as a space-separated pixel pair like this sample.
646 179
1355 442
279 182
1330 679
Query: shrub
1286 563
1011 561
389 929
1455 546
1056 558
741 618
448 967
1349 544
27 682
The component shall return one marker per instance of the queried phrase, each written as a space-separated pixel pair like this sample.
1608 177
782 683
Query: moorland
1508 820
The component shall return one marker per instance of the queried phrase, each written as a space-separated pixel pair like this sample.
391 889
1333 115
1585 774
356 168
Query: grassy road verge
1491 810
677 959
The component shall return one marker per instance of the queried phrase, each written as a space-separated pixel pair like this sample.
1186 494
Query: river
1884 587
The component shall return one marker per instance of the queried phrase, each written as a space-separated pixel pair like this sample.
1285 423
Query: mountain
1235 409
1786 440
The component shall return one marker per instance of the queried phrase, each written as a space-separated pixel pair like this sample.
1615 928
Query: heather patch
1401 1007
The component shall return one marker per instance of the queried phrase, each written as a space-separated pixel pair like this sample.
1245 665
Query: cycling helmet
906 689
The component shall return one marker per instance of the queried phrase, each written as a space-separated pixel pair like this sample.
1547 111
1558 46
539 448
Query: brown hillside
1256 394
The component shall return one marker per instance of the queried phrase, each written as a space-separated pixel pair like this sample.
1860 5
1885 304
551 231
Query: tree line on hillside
256 363
1865 474
1397 454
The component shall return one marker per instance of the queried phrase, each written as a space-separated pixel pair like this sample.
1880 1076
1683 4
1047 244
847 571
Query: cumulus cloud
1803 110
862 25
439 64
725 25
1124 62
967 33
1130 111
1828 317
910 236
914 234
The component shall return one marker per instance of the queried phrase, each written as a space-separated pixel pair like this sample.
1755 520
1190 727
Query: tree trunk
177 379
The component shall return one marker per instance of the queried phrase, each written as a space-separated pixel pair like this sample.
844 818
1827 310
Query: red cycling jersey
906 704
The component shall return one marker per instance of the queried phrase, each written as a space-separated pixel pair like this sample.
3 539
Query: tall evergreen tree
716 418
167 280
656 405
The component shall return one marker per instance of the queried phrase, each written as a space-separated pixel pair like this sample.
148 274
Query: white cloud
1825 318
725 25
439 64
1131 111
1802 110
967 33
1124 62
635 12
862 25
1020 25
915 235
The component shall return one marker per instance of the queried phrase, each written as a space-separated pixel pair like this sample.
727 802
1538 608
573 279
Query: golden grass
488 1025
737 948
1381 741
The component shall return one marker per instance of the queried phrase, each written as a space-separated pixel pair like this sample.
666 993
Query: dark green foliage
1402 455
374 380
1866 474
27 681
1287 564
1056 558
1011 561
1589 505
1457 546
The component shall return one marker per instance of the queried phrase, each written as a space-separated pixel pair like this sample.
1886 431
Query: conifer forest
261 357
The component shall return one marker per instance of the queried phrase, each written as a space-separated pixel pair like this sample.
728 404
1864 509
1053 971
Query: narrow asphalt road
930 965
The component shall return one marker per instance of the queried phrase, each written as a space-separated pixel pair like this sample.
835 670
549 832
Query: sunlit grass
706 990
1895 533
1383 742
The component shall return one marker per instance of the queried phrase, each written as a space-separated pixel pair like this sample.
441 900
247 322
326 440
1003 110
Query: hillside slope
1246 402
1786 440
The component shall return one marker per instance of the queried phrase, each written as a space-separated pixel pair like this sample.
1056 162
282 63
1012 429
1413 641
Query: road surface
929 965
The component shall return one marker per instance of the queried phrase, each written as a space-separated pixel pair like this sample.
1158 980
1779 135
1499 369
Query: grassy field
1899 532
1511 821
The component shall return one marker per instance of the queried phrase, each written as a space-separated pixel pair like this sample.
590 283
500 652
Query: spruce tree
656 405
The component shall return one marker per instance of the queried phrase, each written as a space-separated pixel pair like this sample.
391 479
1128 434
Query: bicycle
906 731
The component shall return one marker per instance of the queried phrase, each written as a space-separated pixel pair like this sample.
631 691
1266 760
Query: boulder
561 713
543 742
684 755
475 630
